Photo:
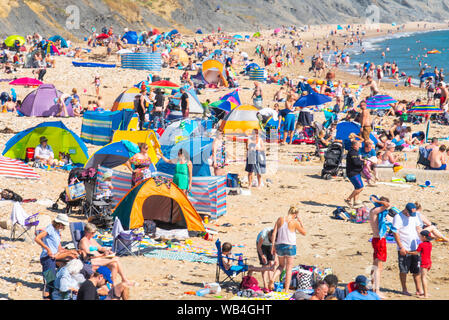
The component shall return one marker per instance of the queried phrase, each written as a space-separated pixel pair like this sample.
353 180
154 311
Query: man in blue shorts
354 167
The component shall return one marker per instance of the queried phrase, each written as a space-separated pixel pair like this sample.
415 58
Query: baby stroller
76 175
333 161
97 210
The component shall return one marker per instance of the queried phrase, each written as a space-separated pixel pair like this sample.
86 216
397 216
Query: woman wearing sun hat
50 241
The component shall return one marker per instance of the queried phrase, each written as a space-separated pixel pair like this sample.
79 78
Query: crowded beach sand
329 243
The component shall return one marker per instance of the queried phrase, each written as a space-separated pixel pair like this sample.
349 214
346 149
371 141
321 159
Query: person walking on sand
371 84
284 244
378 242
425 249
354 167
97 83
407 239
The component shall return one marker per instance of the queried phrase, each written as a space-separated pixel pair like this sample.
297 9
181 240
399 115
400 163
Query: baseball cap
426 233
410 206
361 280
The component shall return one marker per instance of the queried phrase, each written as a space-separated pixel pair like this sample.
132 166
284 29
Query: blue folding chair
230 273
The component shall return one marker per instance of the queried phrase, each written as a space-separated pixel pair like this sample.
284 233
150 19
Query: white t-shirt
45 153
268 112
407 232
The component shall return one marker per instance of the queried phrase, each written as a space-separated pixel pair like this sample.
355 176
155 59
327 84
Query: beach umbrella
199 31
156 31
425 109
379 102
16 169
12 39
218 52
164 84
345 128
312 99
428 74
103 36
237 36
277 30
223 105
256 35
29 82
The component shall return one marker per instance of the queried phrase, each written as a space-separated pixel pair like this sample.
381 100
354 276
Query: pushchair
76 175
97 210
333 161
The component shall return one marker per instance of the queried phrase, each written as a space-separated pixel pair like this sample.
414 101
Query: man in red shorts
379 244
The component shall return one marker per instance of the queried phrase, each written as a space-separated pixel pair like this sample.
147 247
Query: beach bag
233 180
75 191
249 282
304 279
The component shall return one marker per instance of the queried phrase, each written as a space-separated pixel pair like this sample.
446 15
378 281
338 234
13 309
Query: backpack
423 157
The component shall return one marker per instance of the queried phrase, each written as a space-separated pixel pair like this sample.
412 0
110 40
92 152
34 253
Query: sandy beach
342 246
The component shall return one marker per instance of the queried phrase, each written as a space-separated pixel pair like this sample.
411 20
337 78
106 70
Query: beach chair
124 241
22 221
230 275
77 232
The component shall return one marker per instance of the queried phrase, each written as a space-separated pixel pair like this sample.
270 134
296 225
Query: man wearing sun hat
407 239
43 153
52 251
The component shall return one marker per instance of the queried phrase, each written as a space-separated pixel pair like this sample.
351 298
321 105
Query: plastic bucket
29 153
214 287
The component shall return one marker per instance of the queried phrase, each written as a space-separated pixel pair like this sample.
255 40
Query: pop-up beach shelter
112 155
199 150
126 99
42 102
131 37
195 106
57 38
60 138
159 200
241 120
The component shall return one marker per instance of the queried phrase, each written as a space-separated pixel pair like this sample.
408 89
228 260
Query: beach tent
232 97
151 61
60 138
181 130
130 37
164 84
339 27
242 120
252 66
126 99
195 106
180 55
238 37
199 31
213 72
199 150
12 39
158 200
102 36
57 38
172 33
99 126
112 155
345 128
155 31
50 48
312 99
42 102
145 136
256 35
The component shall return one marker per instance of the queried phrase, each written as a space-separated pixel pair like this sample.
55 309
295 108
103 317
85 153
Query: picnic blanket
180 256
268 296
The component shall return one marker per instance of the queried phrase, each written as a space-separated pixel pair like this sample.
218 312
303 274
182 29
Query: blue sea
407 50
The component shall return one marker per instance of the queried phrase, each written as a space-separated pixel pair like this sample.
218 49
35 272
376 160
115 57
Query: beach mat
268 296
180 256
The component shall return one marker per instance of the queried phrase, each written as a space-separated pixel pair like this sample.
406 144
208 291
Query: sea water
407 50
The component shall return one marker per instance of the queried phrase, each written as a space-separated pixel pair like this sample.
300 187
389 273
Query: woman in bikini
98 255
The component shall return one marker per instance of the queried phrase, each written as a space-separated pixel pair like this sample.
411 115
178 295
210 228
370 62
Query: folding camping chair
220 267
20 219
124 241
77 232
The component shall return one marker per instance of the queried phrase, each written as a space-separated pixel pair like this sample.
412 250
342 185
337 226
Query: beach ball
427 183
